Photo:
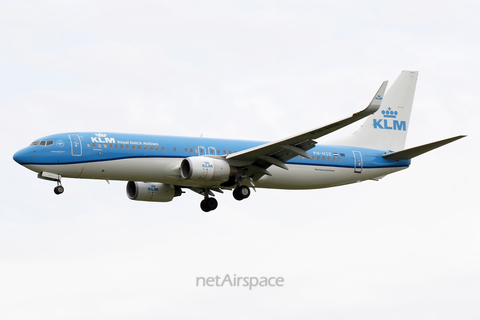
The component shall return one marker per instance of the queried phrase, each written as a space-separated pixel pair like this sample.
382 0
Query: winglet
377 100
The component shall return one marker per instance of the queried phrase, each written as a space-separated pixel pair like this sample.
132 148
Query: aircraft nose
23 156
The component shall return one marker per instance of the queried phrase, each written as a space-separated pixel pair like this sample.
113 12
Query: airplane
159 168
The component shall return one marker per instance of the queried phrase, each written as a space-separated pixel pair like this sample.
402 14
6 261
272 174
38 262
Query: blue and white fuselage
159 168
135 157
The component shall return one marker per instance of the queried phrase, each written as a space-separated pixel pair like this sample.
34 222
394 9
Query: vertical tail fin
387 128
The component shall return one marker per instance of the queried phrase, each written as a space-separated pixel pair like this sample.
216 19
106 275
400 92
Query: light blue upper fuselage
84 147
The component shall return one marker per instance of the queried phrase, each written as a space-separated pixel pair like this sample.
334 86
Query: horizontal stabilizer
413 152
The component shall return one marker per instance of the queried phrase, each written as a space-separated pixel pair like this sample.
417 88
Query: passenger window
334 159
110 146
229 151
196 150
127 146
323 158
174 149
186 149
224 152
144 147
339 159
163 148
318 157
94 145
88 145
219 152
156 148
328 158
105 146
121 146
298 157
151 148
116 146
99 145
191 150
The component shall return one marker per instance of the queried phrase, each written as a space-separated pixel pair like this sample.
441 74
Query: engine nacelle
152 191
206 169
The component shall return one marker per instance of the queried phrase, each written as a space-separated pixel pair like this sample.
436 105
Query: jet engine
152 191
206 169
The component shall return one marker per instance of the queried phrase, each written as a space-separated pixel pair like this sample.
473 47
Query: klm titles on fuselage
390 123
99 140
99 137
102 138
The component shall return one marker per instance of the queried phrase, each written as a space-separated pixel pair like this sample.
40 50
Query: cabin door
358 162
76 144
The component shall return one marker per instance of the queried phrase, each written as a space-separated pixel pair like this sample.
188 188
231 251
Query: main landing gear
241 192
209 203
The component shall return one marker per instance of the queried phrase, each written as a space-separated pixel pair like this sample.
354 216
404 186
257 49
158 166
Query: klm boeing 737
159 168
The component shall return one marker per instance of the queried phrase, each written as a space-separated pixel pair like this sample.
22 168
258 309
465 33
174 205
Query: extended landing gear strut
53 177
208 204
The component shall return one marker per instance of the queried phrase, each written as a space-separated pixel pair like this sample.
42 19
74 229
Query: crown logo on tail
389 113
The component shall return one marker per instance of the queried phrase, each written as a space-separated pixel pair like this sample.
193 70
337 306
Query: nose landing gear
53 177
59 189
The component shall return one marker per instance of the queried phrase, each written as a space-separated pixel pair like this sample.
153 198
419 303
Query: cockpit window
43 143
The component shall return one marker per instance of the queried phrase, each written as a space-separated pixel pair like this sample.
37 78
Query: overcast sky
407 246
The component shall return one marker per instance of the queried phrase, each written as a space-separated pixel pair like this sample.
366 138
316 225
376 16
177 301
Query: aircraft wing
256 160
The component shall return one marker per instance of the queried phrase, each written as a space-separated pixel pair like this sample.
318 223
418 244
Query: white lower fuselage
167 170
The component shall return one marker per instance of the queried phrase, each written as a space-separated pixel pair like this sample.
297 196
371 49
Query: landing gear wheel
209 204
237 194
58 189
241 193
